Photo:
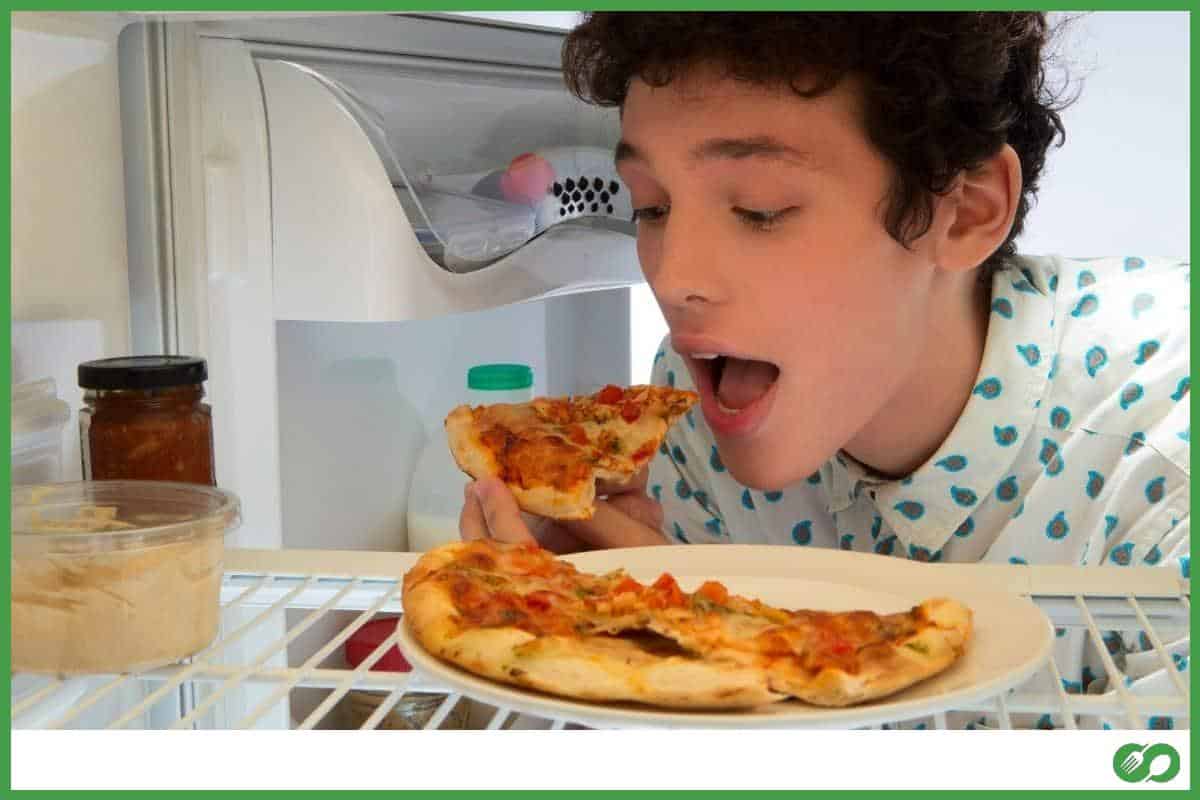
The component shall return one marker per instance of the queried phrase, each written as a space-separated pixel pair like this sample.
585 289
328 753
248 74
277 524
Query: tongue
743 382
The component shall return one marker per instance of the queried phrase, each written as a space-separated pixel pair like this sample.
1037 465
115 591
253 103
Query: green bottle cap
499 377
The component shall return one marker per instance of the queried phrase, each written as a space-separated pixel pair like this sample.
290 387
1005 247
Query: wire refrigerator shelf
341 591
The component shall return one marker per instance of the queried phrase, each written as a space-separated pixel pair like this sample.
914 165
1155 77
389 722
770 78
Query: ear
979 212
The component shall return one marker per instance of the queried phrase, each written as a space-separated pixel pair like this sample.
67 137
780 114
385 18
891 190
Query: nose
680 264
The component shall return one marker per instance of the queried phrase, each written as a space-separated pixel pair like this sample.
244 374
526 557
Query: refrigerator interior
336 340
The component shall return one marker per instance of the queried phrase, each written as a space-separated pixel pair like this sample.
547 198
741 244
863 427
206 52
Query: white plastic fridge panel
344 249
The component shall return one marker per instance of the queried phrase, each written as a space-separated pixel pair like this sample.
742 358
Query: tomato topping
842 648
577 434
610 395
668 592
714 591
644 452
627 584
540 600
630 411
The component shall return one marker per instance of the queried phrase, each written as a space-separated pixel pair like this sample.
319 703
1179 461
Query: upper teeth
706 356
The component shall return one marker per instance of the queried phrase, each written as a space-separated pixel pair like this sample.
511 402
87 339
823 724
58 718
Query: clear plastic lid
101 516
37 408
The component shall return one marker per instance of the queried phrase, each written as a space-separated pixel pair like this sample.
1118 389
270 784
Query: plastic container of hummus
115 576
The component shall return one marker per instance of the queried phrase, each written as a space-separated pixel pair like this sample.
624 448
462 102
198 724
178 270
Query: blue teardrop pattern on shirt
1185 567
773 497
1017 560
1133 262
1110 524
1003 306
1146 351
846 542
1086 278
1030 353
1095 484
1053 368
917 553
1086 306
1182 388
1020 510
1053 283
671 378
1051 459
906 480
679 532
1136 440
701 497
802 532
682 490
1160 723
1025 286
953 463
715 462
1155 489
1005 436
966 529
1071 687
656 490
713 526
1130 395
1007 490
876 526
747 500
1142 303
664 449
910 509
1122 554
661 354
1060 417
964 497
886 546
1058 528
814 479
1186 434
691 420
1094 360
677 455
1152 558
988 388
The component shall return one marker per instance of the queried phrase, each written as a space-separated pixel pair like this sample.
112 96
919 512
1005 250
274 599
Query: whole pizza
519 615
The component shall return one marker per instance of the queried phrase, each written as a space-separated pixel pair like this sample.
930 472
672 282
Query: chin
749 467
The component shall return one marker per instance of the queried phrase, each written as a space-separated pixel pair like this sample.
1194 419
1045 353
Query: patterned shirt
1073 447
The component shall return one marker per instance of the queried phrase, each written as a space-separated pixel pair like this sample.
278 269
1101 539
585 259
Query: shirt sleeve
681 478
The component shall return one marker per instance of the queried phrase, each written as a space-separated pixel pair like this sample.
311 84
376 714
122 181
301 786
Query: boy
827 206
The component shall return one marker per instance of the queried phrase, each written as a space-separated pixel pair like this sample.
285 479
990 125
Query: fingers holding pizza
551 457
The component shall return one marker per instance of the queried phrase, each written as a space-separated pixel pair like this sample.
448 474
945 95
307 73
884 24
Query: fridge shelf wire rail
269 593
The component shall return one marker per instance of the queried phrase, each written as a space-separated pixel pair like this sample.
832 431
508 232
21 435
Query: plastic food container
115 576
38 419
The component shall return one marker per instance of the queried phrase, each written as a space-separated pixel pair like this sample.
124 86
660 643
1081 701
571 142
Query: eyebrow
764 147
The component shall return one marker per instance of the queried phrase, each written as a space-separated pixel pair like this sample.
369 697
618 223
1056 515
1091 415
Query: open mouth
736 383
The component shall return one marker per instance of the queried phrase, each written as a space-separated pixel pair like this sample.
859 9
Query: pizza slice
517 614
551 451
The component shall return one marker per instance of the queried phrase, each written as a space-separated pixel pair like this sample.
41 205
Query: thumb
500 511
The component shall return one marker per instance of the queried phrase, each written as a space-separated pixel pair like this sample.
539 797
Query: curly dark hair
942 91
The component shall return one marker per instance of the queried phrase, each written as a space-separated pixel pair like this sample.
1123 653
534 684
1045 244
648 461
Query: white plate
1013 638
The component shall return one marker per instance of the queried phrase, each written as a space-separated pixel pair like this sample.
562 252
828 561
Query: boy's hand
626 518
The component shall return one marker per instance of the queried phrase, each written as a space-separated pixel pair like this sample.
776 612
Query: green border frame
148 6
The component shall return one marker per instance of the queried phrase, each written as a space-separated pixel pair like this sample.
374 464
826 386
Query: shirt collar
925 508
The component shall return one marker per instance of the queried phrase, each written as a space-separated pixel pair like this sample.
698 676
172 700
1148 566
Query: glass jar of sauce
144 419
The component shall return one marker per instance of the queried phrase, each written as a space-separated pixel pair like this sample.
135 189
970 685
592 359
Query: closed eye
761 220
650 213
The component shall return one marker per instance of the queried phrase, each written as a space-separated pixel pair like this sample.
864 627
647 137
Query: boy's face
760 232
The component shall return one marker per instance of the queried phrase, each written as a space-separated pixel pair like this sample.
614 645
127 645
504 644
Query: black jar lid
142 372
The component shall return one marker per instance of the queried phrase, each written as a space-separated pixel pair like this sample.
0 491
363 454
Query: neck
922 412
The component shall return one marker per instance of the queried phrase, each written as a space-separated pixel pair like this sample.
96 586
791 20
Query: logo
1137 763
